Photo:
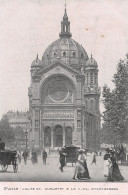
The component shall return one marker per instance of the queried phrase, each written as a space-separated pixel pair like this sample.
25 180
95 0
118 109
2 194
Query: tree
6 131
107 135
116 103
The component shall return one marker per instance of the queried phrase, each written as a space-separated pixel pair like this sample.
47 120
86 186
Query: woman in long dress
106 163
114 171
81 170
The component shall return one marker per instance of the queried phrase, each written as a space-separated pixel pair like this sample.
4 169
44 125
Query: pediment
59 66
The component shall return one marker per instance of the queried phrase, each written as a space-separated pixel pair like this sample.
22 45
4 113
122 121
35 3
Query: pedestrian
114 172
25 156
81 169
44 156
34 157
100 153
19 156
106 163
62 159
93 158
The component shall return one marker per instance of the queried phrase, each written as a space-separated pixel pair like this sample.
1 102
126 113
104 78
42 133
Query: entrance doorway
47 137
68 136
58 136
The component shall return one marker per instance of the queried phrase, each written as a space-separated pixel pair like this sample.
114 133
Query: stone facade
20 122
64 95
18 119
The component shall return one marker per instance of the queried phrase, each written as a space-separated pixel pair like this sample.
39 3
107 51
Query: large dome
67 51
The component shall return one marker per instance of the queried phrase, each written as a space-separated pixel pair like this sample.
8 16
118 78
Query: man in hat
44 156
62 159
25 156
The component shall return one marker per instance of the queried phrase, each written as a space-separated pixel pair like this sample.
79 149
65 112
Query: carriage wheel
4 167
15 166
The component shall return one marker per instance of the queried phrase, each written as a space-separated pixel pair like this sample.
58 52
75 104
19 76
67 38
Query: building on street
64 95
19 120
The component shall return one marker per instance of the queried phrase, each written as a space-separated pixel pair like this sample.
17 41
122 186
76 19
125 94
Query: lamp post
26 137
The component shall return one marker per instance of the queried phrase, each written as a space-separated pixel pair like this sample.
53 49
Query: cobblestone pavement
50 172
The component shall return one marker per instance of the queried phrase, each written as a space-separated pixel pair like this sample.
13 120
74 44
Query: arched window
87 78
37 114
86 104
55 54
95 78
91 78
74 54
64 54
81 55
91 104
47 136
65 29
68 28
36 124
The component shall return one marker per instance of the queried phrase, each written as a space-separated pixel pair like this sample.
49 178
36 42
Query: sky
27 27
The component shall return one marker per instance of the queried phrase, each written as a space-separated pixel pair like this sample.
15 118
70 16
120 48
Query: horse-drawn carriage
71 154
8 157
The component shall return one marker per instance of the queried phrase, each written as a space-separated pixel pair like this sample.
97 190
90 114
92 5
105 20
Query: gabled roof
61 64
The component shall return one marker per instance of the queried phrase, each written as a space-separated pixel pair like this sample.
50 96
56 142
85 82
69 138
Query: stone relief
58 115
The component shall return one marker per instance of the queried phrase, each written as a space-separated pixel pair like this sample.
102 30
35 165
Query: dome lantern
65 26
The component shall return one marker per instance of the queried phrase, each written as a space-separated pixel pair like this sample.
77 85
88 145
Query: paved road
51 172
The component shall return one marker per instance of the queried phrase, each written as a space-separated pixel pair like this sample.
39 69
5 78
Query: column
75 130
82 132
52 136
64 134
72 133
40 129
33 128
42 135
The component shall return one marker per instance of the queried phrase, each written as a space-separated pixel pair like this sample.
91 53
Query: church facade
64 95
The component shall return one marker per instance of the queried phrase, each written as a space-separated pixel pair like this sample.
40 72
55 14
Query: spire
65 13
37 56
65 25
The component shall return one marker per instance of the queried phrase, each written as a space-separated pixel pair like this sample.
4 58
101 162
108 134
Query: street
51 173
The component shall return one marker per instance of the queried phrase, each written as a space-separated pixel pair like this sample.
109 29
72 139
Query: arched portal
58 136
68 136
47 137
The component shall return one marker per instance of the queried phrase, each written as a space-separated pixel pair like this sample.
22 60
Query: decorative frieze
60 114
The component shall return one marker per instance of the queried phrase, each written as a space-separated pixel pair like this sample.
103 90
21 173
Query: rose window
58 91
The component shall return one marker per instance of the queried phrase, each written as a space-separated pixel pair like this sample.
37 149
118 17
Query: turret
91 76
36 66
91 89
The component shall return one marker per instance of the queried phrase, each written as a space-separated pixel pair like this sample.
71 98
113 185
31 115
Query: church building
64 95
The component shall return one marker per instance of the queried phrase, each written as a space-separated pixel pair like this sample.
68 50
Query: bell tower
91 76
91 98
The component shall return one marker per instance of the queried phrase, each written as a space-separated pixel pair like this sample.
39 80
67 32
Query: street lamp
26 137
